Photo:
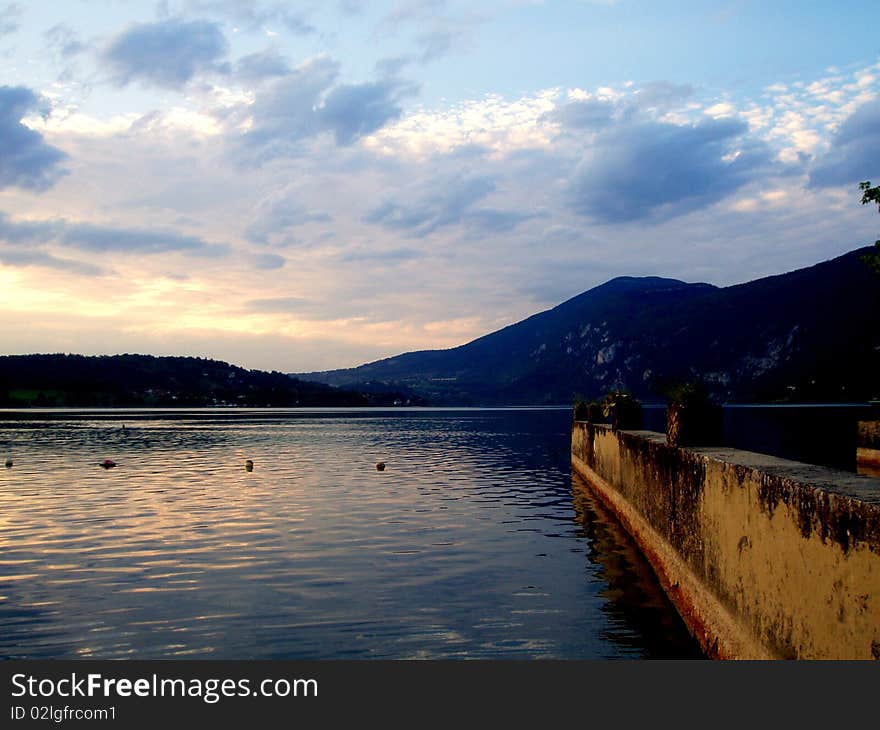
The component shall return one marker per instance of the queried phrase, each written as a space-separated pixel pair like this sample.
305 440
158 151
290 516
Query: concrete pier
868 449
764 558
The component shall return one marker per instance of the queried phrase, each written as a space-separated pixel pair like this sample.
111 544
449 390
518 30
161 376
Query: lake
475 542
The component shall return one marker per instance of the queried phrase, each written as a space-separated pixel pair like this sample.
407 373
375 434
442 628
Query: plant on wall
623 409
692 418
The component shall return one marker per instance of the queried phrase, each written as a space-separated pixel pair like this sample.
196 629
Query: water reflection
472 543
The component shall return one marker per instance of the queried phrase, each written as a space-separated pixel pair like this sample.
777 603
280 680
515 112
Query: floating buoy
9 463
249 465
380 466
108 463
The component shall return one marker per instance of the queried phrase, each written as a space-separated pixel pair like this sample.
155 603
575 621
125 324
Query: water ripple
472 543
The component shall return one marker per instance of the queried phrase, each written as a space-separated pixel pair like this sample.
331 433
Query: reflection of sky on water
468 545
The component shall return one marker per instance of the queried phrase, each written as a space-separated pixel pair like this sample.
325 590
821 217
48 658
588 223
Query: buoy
9 463
249 465
380 466
108 463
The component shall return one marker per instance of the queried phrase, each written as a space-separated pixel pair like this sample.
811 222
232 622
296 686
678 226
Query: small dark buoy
380 466
108 463
9 463
249 465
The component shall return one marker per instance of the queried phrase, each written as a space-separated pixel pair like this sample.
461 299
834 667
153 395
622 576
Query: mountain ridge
808 334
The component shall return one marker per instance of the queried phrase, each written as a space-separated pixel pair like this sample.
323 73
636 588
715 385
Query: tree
871 195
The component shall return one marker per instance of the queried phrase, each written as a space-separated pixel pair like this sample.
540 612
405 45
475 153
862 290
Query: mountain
807 335
144 380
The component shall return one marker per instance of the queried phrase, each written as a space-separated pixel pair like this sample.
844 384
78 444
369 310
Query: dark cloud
653 169
17 232
855 150
284 112
307 102
18 257
103 239
9 16
260 66
254 15
26 161
351 111
133 240
452 205
167 53
594 114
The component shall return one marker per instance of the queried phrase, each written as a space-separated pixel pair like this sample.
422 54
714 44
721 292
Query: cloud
16 257
388 256
64 41
277 305
254 15
166 53
351 7
584 114
26 161
104 239
439 32
591 112
16 232
352 111
662 94
450 202
257 67
307 102
9 19
269 261
277 213
654 169
284 112
854 153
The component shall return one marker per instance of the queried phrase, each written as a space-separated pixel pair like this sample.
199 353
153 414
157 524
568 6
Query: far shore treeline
144 380
811 335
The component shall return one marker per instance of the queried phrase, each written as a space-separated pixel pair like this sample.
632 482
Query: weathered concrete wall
763 557
868 449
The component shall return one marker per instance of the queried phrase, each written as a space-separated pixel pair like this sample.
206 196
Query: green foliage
587 411
689 394
692 417
623 409
144 380
871 195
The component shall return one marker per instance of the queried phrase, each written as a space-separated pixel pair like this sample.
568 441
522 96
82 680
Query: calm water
474 542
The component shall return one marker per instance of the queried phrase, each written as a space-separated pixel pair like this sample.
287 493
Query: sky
303 186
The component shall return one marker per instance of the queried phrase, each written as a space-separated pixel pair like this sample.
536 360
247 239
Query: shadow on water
635 599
